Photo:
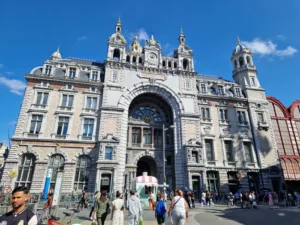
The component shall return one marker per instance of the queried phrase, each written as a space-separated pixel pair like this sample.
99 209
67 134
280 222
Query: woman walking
118 210
94 201
179 209
101 209
271 203
151 201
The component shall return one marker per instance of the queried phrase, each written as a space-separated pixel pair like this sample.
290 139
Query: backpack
160 208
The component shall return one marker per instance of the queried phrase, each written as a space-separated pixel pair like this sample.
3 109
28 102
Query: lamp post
164 153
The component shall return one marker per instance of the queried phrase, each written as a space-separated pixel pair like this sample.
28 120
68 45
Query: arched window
169 64
82 174
26 169
134 59
175 65
235 64
117 54
147 114
164 63
140 60
127 58
56 163
241 61
185 64
248 60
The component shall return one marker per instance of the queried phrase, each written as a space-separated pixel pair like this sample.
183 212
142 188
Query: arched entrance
146 164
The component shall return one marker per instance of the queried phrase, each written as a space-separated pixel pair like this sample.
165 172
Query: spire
238 41
56 54
181 37
119 26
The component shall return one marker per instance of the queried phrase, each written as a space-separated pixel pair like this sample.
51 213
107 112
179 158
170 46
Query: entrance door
196 185
146 164
105 183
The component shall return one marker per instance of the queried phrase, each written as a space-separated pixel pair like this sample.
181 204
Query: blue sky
32 30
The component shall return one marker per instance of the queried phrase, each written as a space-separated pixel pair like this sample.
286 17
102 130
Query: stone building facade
101 123
286 126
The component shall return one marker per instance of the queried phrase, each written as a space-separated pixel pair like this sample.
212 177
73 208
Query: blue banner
47 184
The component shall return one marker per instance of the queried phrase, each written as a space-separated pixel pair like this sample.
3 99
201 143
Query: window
48 69
158 137
203 88
26 169
220 90
169 64
164 63
235 64
147 133
140 60
63 124
147 114
136 136
69 87
242 117
247 150
134 59
127 58
175 65
115 76
241 61
91 103
194 157
88 127
72 72
116 54
95 75
252 81
83 169
42 98
237 92
56 163
108 153
205 114
209 150
248 60
185 64
223 113
36 123
187 84
260 117
228 150
67 101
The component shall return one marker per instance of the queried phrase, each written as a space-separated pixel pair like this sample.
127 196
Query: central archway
146 164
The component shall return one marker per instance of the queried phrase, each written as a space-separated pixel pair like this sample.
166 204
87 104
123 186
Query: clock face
152 56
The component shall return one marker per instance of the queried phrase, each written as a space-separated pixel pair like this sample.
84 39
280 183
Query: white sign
161 185
57 188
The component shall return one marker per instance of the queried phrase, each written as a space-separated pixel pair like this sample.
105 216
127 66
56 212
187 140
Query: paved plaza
217 215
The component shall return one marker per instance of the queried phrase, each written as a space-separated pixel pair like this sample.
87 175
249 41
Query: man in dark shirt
19 214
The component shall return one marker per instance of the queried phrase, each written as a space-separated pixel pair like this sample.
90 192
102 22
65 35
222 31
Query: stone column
39 176
68 180
204 180
223 151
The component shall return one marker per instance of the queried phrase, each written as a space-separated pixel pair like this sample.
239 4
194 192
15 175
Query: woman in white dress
118 210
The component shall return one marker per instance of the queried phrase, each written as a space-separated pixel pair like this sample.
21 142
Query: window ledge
65 108
57 136
89 110
30 135
86 138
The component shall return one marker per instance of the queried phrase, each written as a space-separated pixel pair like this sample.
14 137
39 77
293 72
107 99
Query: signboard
57 189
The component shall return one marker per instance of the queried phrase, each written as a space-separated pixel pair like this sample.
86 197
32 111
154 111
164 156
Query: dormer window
95 75
72 73
48 69
69 87
220 90
92 89
44 84
237 92
203 89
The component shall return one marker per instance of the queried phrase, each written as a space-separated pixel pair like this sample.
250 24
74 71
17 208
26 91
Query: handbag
108 210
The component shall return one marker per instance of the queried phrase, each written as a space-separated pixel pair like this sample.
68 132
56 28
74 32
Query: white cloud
264 48
82 38
141 33
15 86
1 65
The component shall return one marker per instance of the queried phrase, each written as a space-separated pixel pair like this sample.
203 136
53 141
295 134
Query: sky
32 30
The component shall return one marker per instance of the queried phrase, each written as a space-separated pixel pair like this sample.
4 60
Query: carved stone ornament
207 130
226 131
244 133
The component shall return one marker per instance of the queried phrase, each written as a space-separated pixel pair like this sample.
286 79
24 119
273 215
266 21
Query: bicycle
53 220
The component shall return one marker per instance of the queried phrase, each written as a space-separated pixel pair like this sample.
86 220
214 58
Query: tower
244 71
152 52
117 45
184 54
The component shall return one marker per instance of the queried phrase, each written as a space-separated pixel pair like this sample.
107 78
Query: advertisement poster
57 188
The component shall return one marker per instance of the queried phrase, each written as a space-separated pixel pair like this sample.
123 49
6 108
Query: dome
239 48
136 46
56 55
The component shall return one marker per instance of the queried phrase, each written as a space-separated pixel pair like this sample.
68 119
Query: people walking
101 208
179 209
151 201
118 210
82 201
93 204
19 213
203 199
48 205
230 199
161 209
270 198
134 209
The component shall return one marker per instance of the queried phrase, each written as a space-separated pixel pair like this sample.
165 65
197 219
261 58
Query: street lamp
164 153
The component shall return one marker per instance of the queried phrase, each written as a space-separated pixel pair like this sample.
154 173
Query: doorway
146 164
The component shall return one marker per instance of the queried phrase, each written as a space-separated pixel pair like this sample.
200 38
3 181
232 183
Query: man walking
134 209
19 214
